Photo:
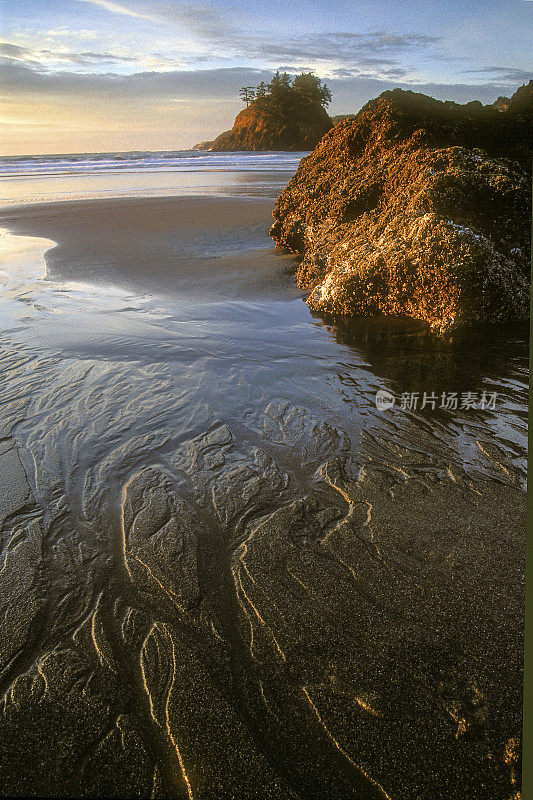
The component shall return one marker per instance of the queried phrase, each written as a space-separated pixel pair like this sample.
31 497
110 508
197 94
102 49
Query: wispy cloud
21 77
379 54
43 57
210 40
343 54
202 19
501 73
223 38
119 8
341 46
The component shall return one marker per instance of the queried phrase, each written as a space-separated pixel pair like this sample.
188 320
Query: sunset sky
100 75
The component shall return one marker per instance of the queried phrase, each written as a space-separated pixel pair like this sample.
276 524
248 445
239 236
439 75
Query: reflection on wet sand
224 572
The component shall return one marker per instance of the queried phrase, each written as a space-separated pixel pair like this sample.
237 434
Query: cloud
213 27
376 53
117 8
201 19
340 46
350 88
88 57
510 74
43 56
12 50
213 23
348 59
60 111
19 78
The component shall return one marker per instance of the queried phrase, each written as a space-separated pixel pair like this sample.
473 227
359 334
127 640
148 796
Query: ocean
91 175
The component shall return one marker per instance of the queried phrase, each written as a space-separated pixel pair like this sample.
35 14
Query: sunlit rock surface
416 208
259 127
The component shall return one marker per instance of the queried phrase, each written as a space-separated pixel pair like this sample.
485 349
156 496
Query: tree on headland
281 82
280 94
248 94
310 89
261 90
285 94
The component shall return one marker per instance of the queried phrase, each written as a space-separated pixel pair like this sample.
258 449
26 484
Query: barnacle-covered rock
416 208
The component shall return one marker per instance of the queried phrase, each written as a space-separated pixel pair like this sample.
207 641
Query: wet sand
224 573
204 248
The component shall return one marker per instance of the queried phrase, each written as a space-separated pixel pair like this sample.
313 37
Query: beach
201 248
225 571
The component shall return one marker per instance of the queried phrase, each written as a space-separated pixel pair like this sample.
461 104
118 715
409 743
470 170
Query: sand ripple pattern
265 608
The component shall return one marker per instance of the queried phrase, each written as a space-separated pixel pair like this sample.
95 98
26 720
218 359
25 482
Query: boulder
416 208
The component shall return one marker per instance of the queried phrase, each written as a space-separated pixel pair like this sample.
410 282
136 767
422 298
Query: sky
106 75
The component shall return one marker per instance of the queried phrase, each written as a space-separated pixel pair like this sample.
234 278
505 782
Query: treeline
285 94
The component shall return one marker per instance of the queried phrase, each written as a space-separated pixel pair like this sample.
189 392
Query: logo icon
384 400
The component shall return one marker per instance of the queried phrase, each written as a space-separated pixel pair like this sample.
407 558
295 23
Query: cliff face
260 127
416 207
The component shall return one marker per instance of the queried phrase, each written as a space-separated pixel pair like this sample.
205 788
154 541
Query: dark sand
224 574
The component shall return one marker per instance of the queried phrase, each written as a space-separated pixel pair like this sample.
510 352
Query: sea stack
289 113
416 208
259 127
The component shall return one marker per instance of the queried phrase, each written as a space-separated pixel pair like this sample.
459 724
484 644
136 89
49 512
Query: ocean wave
173 161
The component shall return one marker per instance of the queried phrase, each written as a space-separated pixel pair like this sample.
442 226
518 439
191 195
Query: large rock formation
262 127
416 207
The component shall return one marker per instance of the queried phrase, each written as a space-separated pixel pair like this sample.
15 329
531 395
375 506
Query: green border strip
527 759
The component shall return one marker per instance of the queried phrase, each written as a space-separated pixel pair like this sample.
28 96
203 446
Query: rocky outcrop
416 208
262 127
203 146
210 145
502 103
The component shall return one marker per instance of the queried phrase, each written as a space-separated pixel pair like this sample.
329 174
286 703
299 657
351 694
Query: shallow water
75 176
226 573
